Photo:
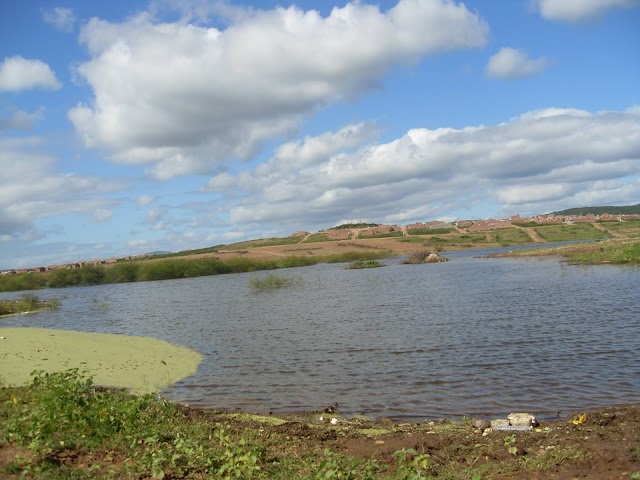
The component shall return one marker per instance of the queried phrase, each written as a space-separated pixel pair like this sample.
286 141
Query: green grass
511 236
615 253
358 264
629 228
564 233
170 268
429 231
317 237
382 235
64 427
27 303
270 282
464 238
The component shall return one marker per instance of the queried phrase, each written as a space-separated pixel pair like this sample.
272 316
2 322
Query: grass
622 253
629 228
429 231
358 264
317 237
63 427
170 268
610 252
564 233
382 235
27 303
511 236
270 282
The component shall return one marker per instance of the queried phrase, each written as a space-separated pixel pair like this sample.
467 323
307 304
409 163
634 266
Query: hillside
624 210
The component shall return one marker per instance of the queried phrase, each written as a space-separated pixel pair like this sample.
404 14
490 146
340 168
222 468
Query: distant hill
627 210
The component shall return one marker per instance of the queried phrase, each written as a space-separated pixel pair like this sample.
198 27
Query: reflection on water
467 337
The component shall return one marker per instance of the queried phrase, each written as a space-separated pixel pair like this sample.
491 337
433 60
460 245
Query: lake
471 336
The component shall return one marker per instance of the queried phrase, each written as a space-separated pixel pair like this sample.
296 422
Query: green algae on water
141 364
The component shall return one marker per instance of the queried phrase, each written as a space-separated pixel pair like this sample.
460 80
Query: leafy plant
411 465
270 282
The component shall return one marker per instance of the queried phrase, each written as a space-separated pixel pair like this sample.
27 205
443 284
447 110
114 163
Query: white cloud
21 120
33 190
62 19
102 214
184 98
536 162
17 73
579 10
144 200
512 63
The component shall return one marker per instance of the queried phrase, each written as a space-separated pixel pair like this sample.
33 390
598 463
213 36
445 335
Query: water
467 337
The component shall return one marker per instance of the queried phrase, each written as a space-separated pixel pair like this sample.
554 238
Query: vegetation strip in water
599 253
27 303
168 269
141 364
61 426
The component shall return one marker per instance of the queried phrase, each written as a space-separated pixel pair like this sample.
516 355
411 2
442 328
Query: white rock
522 420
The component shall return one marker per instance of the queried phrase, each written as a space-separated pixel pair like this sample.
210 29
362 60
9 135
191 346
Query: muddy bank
141 364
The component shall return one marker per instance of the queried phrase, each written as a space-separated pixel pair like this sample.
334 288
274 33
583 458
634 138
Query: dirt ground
605 446
395 244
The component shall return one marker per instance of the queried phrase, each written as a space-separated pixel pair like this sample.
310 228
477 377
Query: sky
133 126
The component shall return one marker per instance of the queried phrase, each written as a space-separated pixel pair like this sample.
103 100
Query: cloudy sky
136 126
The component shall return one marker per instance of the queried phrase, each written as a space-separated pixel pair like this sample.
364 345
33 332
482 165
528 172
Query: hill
625 210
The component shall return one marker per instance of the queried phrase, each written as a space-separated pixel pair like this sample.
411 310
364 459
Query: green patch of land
613 252
137 363
574 232
60 426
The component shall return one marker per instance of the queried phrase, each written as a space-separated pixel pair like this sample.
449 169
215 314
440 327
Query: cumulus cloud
17 74
182 98
144 200
512 63
62 19
33 190
20 120
541 159
579 10
102 214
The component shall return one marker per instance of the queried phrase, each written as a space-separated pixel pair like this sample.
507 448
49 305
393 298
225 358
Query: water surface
468 337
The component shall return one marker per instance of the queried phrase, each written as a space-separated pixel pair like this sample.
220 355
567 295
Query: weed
27 303
270 282
411 465
358 264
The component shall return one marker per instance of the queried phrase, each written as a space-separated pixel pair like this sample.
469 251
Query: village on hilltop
465 226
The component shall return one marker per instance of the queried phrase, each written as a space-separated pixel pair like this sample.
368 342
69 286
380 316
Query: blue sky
128 126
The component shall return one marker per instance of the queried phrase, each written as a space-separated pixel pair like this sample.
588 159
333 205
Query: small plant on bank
271 281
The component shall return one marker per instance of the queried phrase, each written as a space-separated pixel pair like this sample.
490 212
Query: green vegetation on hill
578 231
624 210
346 226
